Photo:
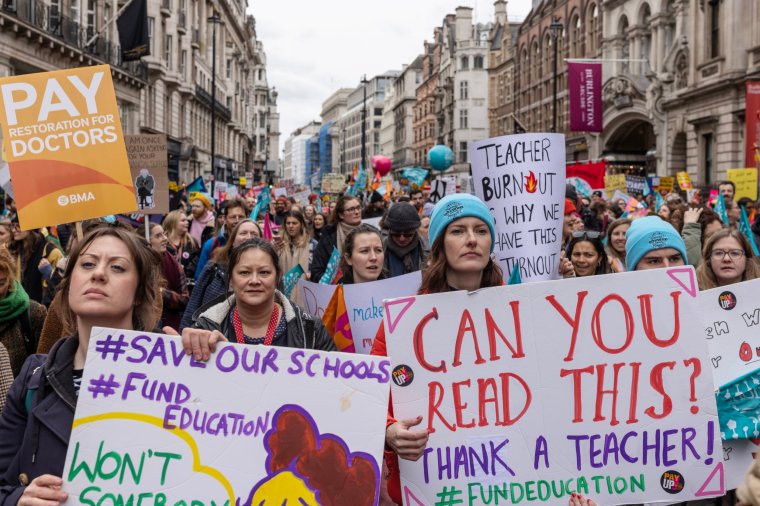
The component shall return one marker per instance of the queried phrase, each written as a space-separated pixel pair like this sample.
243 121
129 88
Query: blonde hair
706 276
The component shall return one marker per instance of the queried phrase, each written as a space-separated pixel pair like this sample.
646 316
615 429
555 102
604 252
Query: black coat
322 252
302 330
35 435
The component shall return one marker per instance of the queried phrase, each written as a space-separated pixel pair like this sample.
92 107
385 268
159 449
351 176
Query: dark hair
744 201
340 206
610 229
434 275
707 217
721 183
414 192
324 220
348 249
221 255
147 301
304 238
253 244
596 241
231 204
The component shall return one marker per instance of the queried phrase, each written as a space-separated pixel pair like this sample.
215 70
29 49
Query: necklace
268 337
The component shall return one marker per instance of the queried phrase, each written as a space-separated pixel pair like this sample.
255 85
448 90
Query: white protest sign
521 178
253 425
280 192
375 222
731 318
440 187
364 303
315 296
534 392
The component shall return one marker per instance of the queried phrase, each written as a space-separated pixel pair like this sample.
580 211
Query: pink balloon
381 164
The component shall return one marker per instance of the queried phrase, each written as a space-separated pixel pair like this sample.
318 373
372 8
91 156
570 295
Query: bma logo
75 198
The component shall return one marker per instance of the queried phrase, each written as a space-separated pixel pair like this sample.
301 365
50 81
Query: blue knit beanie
459 205
649 234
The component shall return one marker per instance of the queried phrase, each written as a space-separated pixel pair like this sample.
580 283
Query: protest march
534 329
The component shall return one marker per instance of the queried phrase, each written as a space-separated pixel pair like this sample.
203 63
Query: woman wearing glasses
405 250
586 252
346 216
728 259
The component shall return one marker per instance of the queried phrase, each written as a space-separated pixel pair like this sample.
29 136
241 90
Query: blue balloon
440 157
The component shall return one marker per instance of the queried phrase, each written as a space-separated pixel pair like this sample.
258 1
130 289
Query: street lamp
214 20
364 123
556 29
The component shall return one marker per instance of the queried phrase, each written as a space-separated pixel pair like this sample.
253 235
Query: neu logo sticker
672 482
403 375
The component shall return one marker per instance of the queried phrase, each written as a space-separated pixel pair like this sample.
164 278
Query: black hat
376 197
402 216
597 193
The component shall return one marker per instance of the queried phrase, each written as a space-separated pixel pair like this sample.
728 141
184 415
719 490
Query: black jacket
34 433
302 330
322 252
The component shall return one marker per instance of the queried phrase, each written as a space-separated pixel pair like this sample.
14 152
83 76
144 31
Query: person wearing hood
202 218
405 250
376 207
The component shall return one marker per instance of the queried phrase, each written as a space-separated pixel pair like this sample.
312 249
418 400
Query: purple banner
585 88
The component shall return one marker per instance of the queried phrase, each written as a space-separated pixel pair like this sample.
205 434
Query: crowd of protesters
214 274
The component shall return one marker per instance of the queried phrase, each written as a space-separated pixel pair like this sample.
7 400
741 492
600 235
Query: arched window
524 69
625 50
477 62
548 54
575 36
646 37
536 62
464 63
592 26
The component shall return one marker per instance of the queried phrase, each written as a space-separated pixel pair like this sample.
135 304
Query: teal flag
658 203
361 179
515 278
255 213
415 175
745 229
720 208
197 186
264 198
332 268
290 280
738 404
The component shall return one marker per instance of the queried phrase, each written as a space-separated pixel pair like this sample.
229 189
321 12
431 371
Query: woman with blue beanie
462 239
652 243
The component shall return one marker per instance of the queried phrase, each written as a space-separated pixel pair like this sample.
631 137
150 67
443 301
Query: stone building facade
167 92
424 122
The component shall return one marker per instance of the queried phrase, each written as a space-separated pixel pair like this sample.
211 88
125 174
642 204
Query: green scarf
14 303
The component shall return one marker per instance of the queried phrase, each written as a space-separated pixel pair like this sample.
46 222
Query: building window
183 64
593 26
92 10
477 62
151 31
714 34
464 63
55 15
463 152
229 68
168 52
74 10
575 35
707 156
463 92
463 118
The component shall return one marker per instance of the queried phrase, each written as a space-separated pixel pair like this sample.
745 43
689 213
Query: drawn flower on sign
306 467
531 183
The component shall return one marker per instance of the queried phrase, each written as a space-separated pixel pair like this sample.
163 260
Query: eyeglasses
405 235
734 254
352 209
590 234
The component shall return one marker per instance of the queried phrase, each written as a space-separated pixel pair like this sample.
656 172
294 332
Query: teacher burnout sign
521 178
534 392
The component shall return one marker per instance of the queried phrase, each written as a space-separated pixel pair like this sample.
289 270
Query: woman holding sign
110 281
363 256
256 312
462 237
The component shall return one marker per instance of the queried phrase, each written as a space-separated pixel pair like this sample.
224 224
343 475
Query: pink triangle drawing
684 276
393 321
718 488
408 495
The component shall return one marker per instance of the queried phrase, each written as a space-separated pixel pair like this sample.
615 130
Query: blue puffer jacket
211 285
35 425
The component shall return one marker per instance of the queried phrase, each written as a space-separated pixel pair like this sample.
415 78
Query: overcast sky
315 47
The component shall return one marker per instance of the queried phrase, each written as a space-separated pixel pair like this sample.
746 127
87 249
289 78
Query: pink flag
267 228
585 88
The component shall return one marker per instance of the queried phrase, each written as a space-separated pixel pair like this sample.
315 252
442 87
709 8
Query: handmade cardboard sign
521 178
745 181
149 165
253 425
615 182
63 141
534 392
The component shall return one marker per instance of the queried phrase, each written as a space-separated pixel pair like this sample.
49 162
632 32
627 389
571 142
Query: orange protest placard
63 141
